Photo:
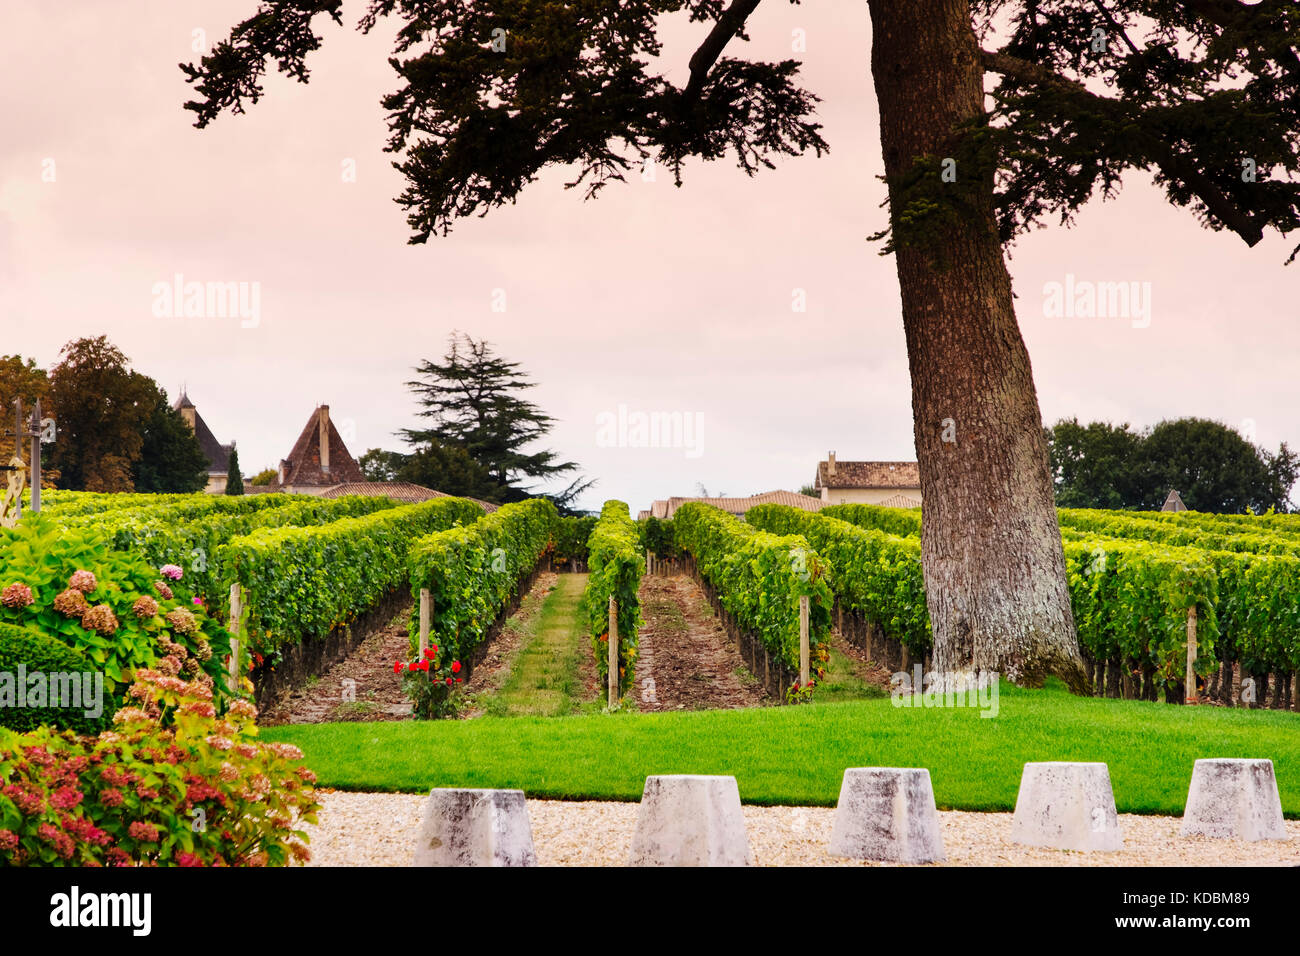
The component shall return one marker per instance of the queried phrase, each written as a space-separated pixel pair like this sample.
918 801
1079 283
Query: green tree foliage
234 480
171 460
102 409
21 378
480 429
116 430
379 465
264 477
449 469
1093 466
1212 467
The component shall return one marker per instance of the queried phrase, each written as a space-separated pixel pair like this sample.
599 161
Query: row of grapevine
1131 600
70 503
1192 533
1134 576
758 578
570 543
615 564
904 522
164 537
303 582
874 574
88 509
472 572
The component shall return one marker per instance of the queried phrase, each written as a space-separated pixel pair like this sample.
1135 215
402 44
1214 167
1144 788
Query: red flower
397 667
455 667
459 679
448 681
428 653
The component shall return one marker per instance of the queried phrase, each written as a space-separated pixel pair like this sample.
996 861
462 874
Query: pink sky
652 297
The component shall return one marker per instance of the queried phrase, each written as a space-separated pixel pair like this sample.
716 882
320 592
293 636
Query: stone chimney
323 415
830 465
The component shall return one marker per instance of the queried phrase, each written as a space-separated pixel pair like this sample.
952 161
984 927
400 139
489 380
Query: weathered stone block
1066 806
887 813
689 820
475 828
1234 799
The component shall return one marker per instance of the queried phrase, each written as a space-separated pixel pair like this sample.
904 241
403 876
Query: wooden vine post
1189 690
803 640
426 616
236 611
613 653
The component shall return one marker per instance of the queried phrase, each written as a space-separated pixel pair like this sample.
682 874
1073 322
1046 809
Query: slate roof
218 454
869 474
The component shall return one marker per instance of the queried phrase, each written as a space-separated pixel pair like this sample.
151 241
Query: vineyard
189 607
1134 577
303 568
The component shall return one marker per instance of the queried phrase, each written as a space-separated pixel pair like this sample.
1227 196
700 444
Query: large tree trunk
990 545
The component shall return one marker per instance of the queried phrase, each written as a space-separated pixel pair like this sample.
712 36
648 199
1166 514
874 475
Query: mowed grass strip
797 755
545 675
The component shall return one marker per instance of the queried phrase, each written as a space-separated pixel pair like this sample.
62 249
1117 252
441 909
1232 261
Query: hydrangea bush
111 606
199 791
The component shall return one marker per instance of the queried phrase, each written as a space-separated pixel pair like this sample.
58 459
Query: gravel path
378 829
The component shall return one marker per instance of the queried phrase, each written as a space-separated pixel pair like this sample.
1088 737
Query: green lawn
797 754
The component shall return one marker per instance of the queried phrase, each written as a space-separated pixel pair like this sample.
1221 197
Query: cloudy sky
653 298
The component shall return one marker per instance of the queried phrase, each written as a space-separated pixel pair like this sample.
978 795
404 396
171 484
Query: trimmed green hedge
303 582
615 565
36 652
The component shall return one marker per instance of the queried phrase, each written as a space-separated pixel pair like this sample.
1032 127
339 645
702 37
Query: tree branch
1114 25
729 24
1230 14
1172 164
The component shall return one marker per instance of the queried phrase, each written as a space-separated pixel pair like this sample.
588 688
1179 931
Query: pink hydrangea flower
171 571
83 581
16 596
144 832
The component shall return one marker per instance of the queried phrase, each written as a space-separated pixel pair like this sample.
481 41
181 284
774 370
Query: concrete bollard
1066 806
1234 799
887 813
689 820
475 828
